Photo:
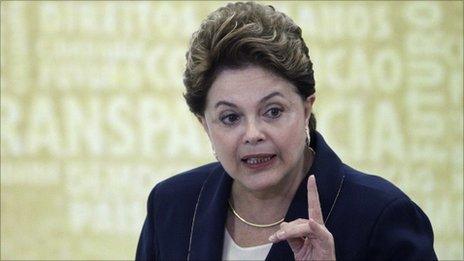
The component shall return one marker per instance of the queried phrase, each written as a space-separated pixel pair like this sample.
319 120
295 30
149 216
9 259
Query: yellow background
92 114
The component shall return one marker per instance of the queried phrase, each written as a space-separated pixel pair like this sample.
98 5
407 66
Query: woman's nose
253 133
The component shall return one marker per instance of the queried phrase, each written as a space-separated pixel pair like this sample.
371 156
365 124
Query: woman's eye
274 113
230 119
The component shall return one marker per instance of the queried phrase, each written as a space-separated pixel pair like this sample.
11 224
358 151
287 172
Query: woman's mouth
258 162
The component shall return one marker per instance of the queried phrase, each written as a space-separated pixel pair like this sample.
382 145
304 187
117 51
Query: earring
308 140
214 153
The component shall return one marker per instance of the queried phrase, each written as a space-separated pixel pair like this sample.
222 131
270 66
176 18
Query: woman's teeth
258 160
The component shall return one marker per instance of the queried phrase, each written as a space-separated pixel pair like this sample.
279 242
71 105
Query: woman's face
256 123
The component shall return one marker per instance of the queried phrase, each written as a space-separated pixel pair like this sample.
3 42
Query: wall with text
92 114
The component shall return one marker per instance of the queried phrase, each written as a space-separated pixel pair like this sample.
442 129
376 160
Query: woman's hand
308 238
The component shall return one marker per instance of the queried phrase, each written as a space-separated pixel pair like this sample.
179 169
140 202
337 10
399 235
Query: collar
210 215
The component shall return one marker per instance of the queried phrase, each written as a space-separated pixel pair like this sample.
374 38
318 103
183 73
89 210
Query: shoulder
176 196
186 183
368 197
388 225
170 209
371 186
397 227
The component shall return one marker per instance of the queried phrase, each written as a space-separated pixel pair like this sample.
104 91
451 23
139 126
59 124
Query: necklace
254 224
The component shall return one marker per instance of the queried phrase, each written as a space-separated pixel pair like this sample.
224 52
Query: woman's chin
261 183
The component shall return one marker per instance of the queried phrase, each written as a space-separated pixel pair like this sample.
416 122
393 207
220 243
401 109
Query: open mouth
258 161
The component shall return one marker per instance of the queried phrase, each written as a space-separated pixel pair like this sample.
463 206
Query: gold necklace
254 224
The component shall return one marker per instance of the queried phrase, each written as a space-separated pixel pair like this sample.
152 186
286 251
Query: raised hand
308 238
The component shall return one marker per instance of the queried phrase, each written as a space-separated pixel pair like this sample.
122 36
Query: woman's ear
308 104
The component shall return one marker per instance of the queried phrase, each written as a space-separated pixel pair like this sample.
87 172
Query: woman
249 80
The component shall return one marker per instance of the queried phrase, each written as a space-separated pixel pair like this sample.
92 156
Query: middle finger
289 230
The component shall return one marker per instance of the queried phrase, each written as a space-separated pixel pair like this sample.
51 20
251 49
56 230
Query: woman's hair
242 34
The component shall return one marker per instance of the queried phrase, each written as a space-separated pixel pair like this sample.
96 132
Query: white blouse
232 251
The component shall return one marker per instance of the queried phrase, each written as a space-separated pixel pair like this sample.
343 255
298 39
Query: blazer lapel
329 177
210 217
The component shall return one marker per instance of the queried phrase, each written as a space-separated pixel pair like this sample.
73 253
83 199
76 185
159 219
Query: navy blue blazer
369 218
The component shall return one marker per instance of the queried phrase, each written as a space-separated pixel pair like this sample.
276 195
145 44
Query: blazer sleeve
147 246
402 232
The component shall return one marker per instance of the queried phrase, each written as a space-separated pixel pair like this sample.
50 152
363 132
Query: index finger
314 207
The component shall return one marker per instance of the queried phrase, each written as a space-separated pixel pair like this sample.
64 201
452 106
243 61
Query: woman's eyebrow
226 103
265 98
